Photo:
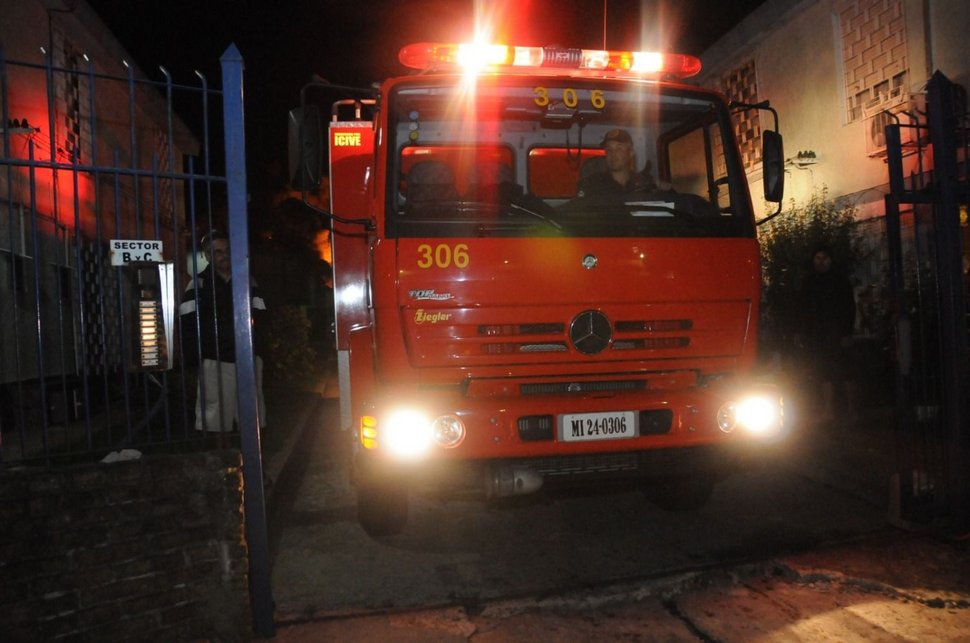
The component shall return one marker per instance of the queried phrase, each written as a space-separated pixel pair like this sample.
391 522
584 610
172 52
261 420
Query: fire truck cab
509 314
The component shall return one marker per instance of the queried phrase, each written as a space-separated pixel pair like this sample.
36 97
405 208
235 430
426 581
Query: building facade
90 150
836 71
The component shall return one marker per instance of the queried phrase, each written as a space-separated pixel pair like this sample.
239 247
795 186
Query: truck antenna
604 23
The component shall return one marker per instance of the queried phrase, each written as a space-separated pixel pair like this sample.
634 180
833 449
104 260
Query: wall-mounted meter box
152 315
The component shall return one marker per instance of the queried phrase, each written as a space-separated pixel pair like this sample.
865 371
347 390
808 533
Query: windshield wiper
658 209
537 215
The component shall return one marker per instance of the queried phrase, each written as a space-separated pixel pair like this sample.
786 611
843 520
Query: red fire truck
503 322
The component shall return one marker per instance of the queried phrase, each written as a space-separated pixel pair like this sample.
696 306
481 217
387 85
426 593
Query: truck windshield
562 157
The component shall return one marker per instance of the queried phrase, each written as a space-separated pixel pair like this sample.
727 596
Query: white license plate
611 425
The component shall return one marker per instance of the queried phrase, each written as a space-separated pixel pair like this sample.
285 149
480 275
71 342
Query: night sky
356 42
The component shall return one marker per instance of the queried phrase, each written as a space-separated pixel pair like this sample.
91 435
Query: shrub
787 245
289 357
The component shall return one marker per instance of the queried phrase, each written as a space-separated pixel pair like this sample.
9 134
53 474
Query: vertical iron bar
133 161
256 533
82 368
38 313
206 170
894 160
170 178
79 252
55 213
120 308
955 371
133 152
198 320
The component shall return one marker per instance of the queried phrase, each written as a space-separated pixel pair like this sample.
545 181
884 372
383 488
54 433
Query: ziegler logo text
422 317
346 139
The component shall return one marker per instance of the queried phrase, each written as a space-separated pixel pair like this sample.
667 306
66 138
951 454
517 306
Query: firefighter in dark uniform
620 176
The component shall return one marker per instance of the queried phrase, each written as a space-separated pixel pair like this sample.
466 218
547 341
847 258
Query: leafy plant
788 243
289 356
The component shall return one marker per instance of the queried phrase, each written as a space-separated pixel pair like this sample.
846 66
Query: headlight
408 434
759 414
405 433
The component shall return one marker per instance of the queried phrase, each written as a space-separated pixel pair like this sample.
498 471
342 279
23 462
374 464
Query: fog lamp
448 431
727 418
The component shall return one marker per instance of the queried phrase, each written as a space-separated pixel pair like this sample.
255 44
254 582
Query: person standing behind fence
828 322
208 301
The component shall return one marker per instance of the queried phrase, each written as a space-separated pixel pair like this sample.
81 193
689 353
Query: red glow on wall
61 190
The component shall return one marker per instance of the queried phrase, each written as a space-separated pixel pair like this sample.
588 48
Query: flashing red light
480 56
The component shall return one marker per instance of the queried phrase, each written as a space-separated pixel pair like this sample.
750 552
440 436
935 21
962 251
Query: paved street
467 552
799 550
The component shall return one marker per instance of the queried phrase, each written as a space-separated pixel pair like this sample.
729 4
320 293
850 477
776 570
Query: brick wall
150 549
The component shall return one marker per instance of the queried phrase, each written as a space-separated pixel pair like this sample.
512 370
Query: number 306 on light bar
610 425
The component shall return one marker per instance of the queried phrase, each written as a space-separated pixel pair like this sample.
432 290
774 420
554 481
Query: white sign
124 251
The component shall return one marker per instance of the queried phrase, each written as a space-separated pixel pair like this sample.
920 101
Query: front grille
590 338
648 343
497 330
656 462
653 325
547 388
536 427
596 464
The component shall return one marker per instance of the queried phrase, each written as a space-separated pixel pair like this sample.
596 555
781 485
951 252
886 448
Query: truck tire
382 508
679 493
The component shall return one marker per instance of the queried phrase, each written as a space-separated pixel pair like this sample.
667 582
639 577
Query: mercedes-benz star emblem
590 332
589 262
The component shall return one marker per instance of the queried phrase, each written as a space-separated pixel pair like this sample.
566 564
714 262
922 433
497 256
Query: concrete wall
150 549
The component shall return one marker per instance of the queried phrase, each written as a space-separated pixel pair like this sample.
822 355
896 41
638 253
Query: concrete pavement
901 586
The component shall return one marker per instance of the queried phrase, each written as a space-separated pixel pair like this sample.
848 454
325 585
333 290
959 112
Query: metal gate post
256 532
955 371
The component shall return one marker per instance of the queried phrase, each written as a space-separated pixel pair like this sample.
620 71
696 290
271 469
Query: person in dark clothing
620 176
828 321
209 339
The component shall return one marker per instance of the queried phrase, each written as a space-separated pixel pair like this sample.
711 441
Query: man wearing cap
209 337
620 176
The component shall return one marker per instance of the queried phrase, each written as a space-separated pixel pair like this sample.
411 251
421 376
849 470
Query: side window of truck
696 165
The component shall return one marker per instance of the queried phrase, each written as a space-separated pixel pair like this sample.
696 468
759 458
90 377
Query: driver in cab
620 176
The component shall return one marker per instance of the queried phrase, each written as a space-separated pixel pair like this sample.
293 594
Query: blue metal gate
87 160
107 184
929 251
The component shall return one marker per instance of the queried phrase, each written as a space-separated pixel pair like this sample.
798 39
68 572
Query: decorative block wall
874 59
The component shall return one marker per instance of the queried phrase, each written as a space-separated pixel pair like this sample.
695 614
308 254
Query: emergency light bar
481 56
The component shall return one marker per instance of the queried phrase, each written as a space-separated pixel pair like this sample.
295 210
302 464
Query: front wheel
382 508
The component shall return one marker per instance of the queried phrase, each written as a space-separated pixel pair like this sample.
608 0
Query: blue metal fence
87 158
95 168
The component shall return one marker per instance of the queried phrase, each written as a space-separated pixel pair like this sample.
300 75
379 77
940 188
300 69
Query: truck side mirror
773 165
305 138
